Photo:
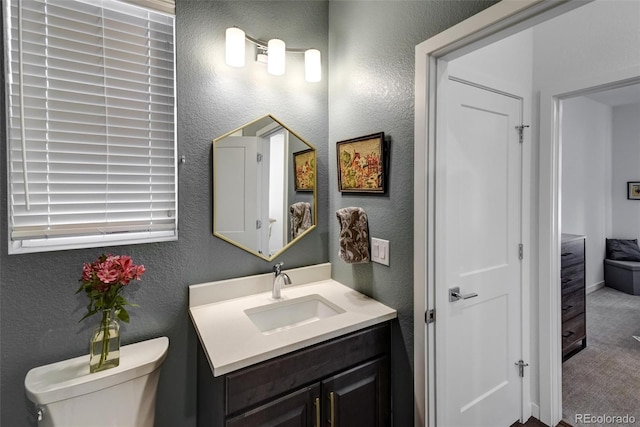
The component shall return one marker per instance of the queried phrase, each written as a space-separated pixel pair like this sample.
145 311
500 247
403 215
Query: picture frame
633 190
362 164
304 170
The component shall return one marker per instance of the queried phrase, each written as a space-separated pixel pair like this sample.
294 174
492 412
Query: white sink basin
288 314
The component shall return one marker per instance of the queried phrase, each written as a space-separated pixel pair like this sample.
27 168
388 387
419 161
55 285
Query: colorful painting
304 169
361 165
633 190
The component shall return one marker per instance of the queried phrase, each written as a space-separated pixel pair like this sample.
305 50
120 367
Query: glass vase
104 348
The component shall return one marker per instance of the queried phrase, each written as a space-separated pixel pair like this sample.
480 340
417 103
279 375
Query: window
91 128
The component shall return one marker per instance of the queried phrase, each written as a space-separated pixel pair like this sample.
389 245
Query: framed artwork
304 170
633 190
361 164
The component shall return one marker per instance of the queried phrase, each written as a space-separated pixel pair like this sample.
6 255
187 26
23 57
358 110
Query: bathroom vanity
344 381
317 357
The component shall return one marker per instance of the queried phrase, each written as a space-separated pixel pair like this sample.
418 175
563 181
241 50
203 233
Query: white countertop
231 340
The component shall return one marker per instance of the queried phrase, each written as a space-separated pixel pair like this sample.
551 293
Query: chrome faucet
278 278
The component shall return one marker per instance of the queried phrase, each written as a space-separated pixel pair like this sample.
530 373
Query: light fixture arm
261 44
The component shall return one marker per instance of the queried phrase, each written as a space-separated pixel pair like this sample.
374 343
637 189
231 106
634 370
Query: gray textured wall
39 312
371 89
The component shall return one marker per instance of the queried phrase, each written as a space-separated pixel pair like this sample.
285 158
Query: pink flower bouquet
104 280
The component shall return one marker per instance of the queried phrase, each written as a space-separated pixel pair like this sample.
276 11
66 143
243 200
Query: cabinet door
298 409
358 397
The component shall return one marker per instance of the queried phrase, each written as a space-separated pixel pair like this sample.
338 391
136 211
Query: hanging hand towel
300 216
354 235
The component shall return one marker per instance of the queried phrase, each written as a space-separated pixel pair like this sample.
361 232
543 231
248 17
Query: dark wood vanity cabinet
299 408
358 397
342 382
572 283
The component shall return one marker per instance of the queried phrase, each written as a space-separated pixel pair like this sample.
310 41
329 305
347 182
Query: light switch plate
380 251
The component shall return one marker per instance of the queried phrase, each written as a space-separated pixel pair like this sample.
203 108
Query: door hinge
521 365
430 316
520 130
258 224
521 251
259 157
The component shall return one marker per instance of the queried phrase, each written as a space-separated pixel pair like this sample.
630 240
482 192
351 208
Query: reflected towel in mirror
300 216
354 235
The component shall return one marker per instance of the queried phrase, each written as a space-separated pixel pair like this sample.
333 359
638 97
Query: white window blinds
91 124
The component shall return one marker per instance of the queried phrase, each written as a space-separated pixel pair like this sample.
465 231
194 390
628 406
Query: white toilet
67 395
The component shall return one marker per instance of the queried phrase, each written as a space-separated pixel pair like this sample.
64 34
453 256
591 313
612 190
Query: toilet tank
67 395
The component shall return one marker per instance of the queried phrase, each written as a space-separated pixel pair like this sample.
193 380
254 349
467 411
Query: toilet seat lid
70 378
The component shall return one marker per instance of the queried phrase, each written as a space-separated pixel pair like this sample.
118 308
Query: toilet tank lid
71 378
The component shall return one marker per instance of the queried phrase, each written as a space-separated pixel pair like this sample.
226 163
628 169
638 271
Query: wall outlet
380 251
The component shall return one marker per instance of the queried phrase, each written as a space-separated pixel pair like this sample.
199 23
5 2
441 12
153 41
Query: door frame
550 226
492 24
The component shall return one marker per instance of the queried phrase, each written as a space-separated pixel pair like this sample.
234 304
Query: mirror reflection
264 187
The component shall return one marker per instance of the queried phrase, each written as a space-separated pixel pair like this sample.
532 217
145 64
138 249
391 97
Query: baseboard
535 410
595 287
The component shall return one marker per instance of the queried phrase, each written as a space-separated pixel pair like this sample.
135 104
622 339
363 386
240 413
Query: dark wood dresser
572 282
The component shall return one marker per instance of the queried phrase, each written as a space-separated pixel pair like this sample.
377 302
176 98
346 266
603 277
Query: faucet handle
277 269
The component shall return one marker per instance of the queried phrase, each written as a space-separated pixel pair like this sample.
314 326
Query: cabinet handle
317 406
566 307
332 416
567 253
567 334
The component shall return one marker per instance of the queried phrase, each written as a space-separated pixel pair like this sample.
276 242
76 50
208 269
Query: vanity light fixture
235 47
272 52
312 66
276 57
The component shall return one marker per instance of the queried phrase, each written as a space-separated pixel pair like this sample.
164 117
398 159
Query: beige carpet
603 380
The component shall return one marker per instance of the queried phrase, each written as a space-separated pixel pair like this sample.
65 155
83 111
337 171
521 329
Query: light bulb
276 51
234 49
312 65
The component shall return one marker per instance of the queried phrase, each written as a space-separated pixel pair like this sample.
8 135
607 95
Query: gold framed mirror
264 187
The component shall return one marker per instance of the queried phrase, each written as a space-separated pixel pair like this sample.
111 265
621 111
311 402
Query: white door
478 233
236 189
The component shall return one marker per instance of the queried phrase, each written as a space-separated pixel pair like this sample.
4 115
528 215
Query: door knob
455 295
